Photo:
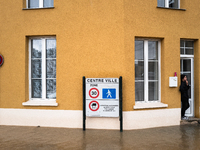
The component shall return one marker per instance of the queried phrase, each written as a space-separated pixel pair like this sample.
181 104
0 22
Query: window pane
187 65
153 50
153 91
182 50
188 43
161 3
188 75
139 50
51 48
51 88
36 48
189 51
37 88
187 47
48 3
139 70
51 68
173 3
36 68
181 62
139 91
153 71
33 4
182 43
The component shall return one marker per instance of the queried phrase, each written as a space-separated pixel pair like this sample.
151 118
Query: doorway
187 68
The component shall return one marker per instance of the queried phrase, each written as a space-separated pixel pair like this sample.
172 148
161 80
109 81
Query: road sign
94 105
109 93
93 92
102 97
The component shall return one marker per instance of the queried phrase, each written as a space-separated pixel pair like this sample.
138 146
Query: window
147 70
187 47
42 68
40 3
169 3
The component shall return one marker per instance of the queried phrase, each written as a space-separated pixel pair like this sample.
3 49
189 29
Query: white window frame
187 55
146 103
41 4
167 4
40 101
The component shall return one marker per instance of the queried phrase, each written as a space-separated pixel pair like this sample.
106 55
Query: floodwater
181 137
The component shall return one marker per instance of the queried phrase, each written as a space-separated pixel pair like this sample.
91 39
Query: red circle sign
94 93
1 60
94 105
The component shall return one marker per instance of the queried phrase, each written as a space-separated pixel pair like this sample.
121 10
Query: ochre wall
90 42
94 39
143 19
196 79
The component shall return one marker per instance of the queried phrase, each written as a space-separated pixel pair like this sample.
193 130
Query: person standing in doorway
184 96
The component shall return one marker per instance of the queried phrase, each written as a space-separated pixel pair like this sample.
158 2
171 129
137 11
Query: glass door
187 68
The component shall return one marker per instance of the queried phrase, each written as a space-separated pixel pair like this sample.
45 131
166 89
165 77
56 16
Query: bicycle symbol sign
94 93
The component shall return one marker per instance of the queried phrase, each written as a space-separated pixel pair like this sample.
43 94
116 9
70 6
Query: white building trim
73 119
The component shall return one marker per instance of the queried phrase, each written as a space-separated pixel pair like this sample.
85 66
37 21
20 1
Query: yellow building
49 45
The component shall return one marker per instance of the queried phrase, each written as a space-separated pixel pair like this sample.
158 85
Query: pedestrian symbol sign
109 93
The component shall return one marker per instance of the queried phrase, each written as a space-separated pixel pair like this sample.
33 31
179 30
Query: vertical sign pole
84 114
120 105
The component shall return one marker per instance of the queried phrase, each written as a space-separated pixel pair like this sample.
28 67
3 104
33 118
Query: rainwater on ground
181 137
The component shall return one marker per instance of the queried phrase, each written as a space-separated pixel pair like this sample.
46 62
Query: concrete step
190 120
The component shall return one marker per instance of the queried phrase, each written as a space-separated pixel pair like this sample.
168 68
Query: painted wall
94 39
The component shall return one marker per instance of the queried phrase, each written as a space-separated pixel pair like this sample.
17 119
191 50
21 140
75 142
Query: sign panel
102 97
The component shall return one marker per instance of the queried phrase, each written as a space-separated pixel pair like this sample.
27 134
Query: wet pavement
183 137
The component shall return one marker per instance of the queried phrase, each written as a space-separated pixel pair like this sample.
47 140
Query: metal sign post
120 105
84 115
102 97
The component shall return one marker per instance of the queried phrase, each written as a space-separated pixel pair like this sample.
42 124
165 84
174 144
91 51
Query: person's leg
185 106
182 111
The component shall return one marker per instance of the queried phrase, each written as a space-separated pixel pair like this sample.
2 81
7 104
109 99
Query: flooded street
181 137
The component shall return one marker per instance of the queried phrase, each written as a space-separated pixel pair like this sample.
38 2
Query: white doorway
187 68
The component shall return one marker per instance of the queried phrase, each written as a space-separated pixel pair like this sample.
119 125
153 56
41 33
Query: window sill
150 105
171 8
38 8
40 103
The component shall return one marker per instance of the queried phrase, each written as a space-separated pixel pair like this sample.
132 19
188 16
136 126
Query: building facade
49 45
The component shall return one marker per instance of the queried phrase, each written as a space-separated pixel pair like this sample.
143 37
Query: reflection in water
182 137
190 136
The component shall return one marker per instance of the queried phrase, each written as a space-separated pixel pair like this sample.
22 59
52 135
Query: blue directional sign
109 93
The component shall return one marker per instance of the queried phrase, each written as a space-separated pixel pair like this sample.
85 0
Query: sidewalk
181 137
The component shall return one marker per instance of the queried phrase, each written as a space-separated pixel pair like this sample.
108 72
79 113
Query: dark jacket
184 91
